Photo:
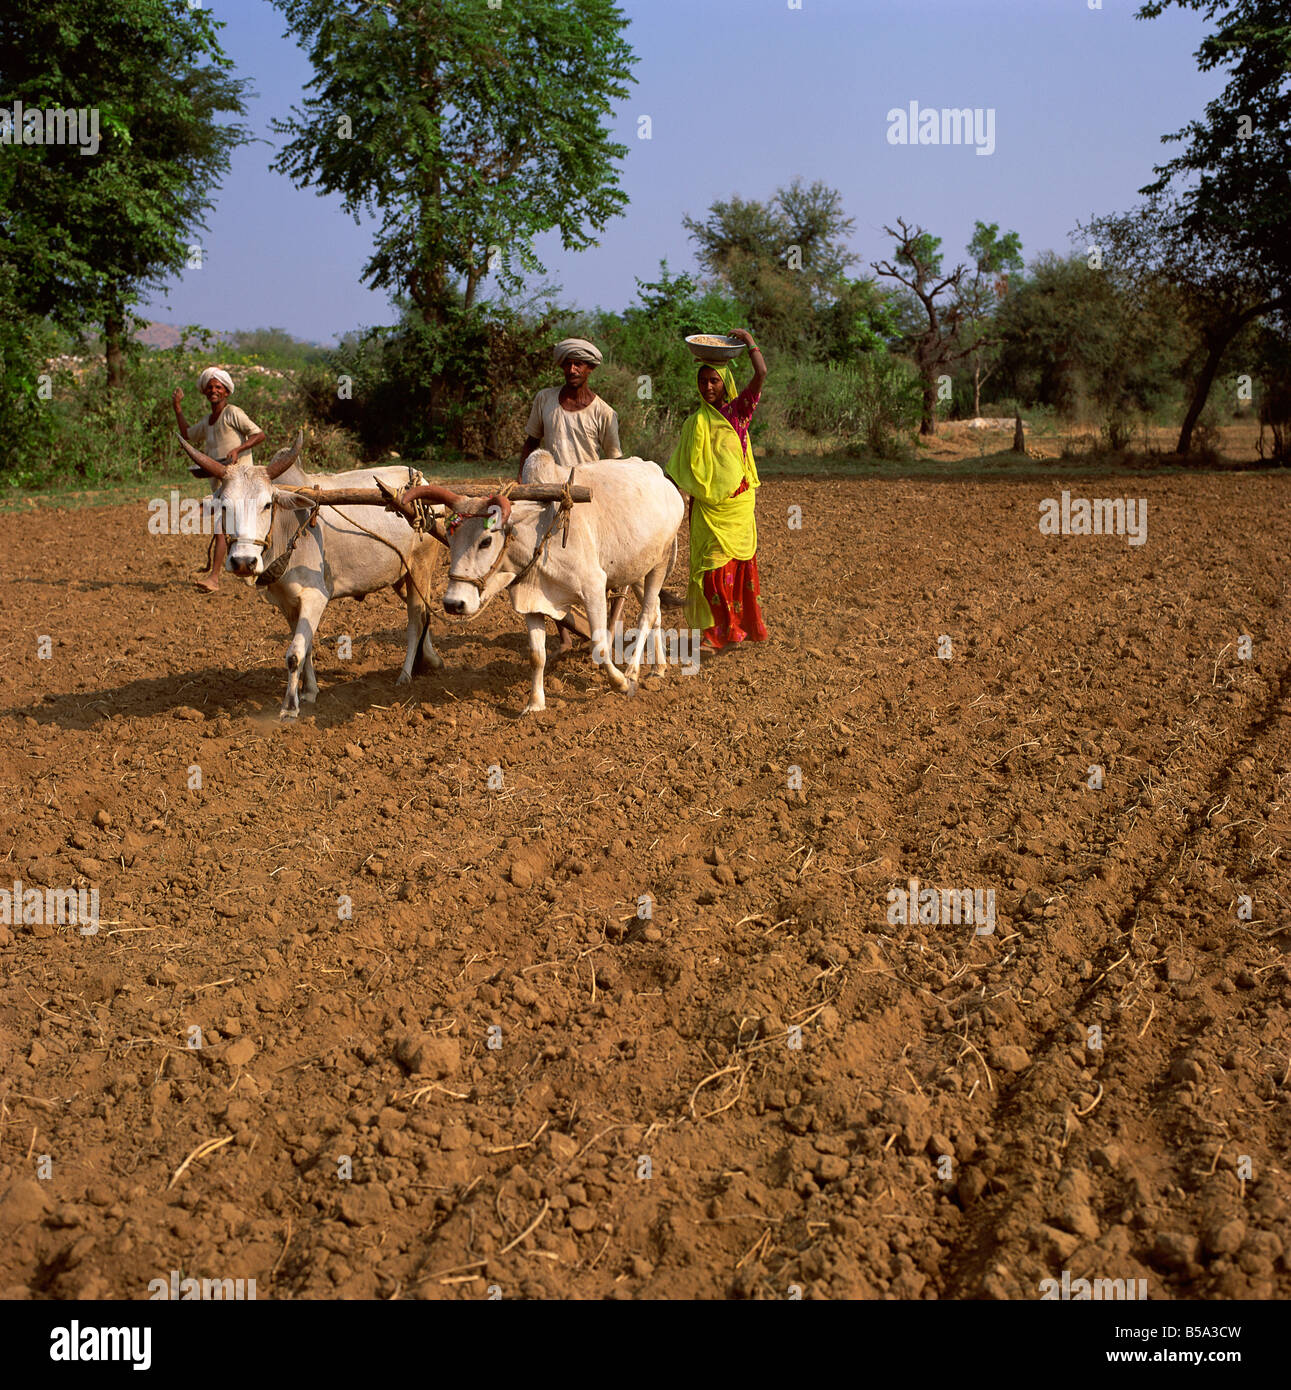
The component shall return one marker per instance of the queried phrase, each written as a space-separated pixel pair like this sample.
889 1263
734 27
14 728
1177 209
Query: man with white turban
229 434
572 422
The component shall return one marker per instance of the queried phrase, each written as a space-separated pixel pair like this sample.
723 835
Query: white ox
336 557
626 536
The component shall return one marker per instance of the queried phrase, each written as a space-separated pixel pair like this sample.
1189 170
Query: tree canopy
94 231
784 260
468 129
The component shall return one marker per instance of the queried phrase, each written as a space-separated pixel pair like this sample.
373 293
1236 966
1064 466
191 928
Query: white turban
219 374
579 349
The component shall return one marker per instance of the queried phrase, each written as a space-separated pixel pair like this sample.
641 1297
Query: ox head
245 498
477 570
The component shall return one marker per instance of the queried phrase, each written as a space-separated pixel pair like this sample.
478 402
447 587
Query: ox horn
429 492
464 506
284 458
501 502
203 461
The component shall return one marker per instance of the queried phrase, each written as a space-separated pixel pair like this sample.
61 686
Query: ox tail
668 599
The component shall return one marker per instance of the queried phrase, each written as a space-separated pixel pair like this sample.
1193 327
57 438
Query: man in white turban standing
229 434
572 422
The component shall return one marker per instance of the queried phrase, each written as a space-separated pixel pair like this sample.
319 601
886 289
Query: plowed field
607 1002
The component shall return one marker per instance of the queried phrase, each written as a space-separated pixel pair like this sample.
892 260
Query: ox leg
299 648
537 625
309 684
649 621
656 587
659 659
427 656
602 648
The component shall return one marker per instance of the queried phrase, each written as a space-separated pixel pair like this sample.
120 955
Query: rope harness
563 508
272 573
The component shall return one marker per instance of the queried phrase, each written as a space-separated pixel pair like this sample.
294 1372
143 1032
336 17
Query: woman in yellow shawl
714 465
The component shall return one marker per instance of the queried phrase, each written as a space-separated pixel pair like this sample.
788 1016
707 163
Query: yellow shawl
709 464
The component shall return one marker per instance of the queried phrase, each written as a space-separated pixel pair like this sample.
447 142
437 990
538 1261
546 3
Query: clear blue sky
1081 98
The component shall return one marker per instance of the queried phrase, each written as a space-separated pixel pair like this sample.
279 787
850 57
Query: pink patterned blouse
739 414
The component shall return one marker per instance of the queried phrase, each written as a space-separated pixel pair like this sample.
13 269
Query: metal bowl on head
714 347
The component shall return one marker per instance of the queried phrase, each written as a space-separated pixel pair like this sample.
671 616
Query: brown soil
645 1129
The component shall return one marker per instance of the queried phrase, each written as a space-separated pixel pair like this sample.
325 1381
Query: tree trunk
977 386
1215 347
1217 341
928 423
114 339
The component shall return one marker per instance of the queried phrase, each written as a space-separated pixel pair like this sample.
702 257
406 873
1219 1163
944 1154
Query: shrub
874 402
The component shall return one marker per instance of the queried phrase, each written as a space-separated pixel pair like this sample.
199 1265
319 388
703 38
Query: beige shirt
228 432
574 436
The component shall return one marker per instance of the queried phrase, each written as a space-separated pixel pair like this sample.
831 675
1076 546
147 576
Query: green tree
933 336
1236 162
1219 294
1273 363
862 319
785 260
1220 215
93 232
995 258
1074 337
647 337
468 129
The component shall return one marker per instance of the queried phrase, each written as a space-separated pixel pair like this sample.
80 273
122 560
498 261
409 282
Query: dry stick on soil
277 1264
1110 968
528 1143
1082 1113
206 1147
713 1076
990 1085
415 1096
454 1269
528 1230
595 1139
763 1240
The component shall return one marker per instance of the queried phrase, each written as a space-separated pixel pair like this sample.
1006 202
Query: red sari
732 591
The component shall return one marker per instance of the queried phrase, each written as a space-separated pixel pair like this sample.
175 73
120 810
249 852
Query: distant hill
166 335
158 335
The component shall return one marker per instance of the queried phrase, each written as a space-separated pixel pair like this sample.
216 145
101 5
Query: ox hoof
630 689
309 696
289 714
404 679
532 709
435 662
